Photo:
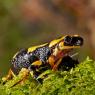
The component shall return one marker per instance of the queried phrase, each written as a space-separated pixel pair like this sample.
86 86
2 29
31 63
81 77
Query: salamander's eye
67 41
77 41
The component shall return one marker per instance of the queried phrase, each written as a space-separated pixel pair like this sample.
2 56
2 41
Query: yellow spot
31 72
37 63
15 55
55 52
34 47
70 47
61 45
54 42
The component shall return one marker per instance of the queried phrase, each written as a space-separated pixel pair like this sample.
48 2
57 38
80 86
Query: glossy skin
42 57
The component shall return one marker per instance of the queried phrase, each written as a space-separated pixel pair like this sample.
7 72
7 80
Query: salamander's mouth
73 41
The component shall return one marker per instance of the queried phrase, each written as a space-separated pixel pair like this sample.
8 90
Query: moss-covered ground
78 81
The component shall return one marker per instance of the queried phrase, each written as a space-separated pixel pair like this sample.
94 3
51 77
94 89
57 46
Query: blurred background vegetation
24 23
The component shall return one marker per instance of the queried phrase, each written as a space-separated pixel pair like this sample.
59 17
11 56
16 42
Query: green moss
78 81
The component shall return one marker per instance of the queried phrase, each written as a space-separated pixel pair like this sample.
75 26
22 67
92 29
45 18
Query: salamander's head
70 42
73 40
65 42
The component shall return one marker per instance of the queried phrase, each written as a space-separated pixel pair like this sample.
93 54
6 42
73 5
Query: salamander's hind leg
8 77
34 72
37 68
22 76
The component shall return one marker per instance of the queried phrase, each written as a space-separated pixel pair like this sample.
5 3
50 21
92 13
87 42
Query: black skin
67 63
24 60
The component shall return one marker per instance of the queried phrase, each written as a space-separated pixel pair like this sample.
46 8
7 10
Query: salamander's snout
73 41
77 41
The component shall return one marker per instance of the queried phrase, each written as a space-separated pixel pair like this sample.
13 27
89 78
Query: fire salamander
39 58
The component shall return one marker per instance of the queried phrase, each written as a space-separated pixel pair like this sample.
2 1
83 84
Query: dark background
24 23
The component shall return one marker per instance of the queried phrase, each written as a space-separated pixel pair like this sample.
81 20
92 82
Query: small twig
75 54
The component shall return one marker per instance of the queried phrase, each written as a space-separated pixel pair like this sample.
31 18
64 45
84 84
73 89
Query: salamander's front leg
54 62
55 67
51 60
24 72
